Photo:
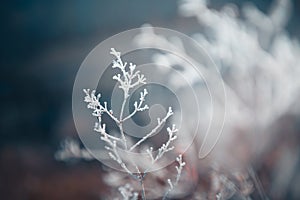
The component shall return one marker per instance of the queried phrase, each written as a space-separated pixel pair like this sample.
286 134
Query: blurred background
42 46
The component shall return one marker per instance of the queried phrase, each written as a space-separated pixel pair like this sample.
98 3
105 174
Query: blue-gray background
42 46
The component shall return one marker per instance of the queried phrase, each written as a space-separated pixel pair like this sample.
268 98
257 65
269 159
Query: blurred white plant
70 149
127 192
259 64
128 79
261 80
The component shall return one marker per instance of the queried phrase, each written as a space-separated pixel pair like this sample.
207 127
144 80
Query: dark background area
42 46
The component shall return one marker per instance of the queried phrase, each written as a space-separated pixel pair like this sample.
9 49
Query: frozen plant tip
127 79
179 168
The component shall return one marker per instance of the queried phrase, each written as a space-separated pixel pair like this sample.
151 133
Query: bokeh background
42 46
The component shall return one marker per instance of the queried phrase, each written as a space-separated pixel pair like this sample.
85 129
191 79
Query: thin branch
160 123
179 168
121 124
164 148
138 107
94 104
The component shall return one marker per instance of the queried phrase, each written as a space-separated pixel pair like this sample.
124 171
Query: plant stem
121 120
143 187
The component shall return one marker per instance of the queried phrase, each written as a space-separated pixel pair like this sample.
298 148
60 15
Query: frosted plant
179 168
259 64
128 79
